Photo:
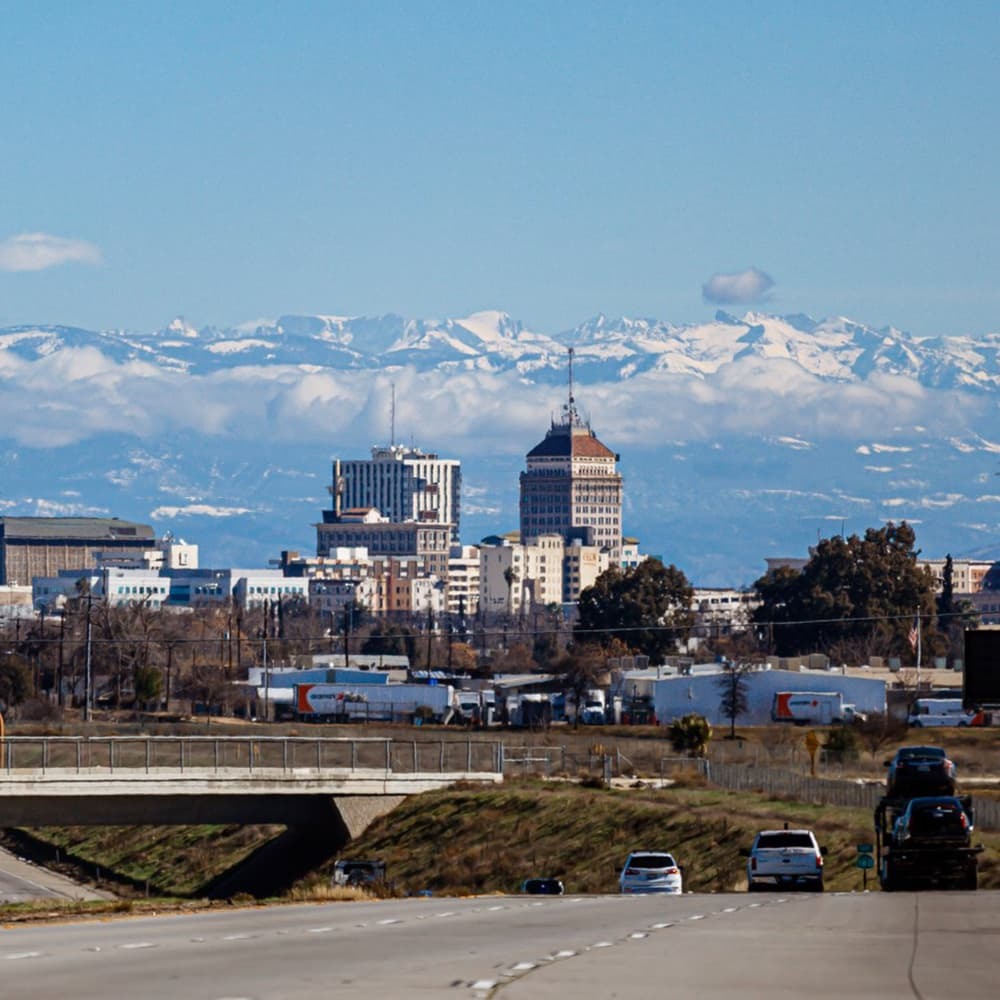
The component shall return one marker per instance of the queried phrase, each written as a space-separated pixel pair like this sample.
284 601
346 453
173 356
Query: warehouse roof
90 529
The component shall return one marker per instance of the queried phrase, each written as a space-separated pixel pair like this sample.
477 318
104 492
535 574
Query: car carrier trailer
903 866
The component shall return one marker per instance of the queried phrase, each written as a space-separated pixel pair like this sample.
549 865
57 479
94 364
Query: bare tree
732 684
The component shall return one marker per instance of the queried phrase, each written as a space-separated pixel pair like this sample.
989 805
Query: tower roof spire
569 410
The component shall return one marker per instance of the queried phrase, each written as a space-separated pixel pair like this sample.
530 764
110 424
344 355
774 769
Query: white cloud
199 509
37 251
750 285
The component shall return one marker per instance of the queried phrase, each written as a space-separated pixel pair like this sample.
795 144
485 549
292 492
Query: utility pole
59 671
348 614
86 675
267 680
430 633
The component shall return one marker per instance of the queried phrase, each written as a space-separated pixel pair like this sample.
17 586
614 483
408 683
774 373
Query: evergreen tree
648 608
865 591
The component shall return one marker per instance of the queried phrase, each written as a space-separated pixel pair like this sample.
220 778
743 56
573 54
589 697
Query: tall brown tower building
571 485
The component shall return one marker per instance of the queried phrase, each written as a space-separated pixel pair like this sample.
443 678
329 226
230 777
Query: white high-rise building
403 483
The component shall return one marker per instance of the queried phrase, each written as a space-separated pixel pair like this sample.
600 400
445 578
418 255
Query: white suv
785 859
651 871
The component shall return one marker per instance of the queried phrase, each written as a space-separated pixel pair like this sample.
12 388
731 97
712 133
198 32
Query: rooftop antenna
571 417
392 418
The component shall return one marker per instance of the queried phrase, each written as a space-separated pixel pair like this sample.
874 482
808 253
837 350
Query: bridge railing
111 754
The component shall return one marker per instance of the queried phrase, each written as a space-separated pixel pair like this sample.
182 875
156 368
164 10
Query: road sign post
865 861
812 745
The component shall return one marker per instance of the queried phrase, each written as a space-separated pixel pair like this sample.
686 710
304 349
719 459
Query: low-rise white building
463 580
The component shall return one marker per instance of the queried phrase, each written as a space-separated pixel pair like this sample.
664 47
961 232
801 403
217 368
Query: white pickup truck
785 859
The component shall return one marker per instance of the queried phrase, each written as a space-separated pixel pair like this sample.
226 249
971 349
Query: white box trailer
821 708
374 702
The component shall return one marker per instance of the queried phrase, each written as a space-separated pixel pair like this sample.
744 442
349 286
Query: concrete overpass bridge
337 784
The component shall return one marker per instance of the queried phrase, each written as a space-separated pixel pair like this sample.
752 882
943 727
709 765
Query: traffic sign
866 849
864 861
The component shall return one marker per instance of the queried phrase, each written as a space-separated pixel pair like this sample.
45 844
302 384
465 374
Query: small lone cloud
743 286
37 251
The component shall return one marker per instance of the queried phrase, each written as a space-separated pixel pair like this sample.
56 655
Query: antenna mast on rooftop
572 418
392 417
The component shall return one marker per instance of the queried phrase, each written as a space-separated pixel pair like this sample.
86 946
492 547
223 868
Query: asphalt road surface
22 882
925 946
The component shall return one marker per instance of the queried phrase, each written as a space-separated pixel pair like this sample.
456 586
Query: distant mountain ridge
740 437
837 349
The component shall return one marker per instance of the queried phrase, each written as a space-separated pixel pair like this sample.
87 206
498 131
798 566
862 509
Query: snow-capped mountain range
741 437
837 349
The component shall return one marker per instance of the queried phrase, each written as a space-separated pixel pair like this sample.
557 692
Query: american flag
914 634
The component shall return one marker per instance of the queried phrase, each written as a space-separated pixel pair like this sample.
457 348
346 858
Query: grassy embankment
475 840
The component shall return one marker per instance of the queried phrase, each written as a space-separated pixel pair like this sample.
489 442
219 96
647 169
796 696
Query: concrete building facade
571 486
405 484
369 528
44 546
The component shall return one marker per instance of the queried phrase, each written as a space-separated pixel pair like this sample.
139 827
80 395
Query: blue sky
228 161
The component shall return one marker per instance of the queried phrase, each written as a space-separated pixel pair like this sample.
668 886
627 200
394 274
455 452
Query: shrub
690 735
841 745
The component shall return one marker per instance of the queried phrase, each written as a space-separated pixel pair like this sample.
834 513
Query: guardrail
112 754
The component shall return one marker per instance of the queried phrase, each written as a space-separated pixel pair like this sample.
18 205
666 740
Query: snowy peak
606 349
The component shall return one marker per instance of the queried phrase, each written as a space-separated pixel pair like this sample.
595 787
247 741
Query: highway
925 946
22 882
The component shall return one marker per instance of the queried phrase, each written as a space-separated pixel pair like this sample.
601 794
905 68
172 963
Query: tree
648 608
733 683
876 730
391 640
865 591
690 735
510 578
581 669
148 685
15 681
955 616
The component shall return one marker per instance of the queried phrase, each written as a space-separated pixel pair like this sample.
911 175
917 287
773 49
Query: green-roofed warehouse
42 546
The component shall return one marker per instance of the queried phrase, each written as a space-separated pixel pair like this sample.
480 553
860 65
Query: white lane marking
389 920
17 955
753 906
494 908
447 913
197 940
602 944
483 984
564 954
136 944
537 904
522 967
637 935
237 937
697 916
659 927
319 930
730 909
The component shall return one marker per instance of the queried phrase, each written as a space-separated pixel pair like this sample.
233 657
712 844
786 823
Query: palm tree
510 576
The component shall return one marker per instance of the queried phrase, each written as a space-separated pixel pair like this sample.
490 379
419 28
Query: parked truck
923 839
926 712
374 702
820 708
